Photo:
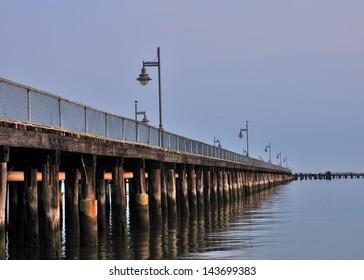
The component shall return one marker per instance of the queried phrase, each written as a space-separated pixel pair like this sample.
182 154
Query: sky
293 69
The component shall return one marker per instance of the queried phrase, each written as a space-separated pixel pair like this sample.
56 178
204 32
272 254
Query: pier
328 175
51 147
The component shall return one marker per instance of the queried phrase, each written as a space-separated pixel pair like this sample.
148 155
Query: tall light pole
270 152
217 141
246 129
286 161
279 155
145 119
144 79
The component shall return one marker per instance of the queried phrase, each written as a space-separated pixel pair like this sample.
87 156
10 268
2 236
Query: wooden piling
4 158
31 206
142 198
192 193
118 198
88 202
214 185
71 201
184 192
50 194
101 200
3 183
171 192
199 186
207 185
226 186
156 195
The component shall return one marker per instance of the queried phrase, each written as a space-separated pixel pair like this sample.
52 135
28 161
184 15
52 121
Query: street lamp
219 146
270 152
246 129
144 79
217 141
279 155
145 119
286 161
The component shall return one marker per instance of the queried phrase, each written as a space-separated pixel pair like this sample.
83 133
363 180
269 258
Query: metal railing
22 103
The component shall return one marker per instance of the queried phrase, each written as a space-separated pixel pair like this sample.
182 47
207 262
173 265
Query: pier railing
23 103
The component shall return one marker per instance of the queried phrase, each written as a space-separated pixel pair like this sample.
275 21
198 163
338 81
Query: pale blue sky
294 69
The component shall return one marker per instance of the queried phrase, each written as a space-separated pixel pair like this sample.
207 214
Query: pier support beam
118 198
101 200
71 201
171 192
199 186
88 202
31 207
184 191
4 158
192 194
207 185
226 186
50 195
142 198
156 192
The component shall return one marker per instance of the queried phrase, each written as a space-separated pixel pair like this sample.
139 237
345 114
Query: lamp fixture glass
144 77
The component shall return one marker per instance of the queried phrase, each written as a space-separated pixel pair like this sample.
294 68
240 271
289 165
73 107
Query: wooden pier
37 160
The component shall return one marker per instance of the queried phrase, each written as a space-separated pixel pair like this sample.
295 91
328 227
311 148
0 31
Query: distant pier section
328 175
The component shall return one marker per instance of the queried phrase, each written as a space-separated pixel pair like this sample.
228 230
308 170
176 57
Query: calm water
299 220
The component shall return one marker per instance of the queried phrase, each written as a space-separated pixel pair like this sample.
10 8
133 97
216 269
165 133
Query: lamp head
241 135
144 77
145 119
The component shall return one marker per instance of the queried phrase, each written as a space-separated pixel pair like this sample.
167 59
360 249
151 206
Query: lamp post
145 119
286 161
270 152
217 141
144 79
279 155
246 129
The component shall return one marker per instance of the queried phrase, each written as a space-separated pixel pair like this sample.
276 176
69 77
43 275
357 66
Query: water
300 220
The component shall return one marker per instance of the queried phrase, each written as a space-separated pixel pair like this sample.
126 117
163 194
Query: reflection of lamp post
144 79
270 152
246 129
280 158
